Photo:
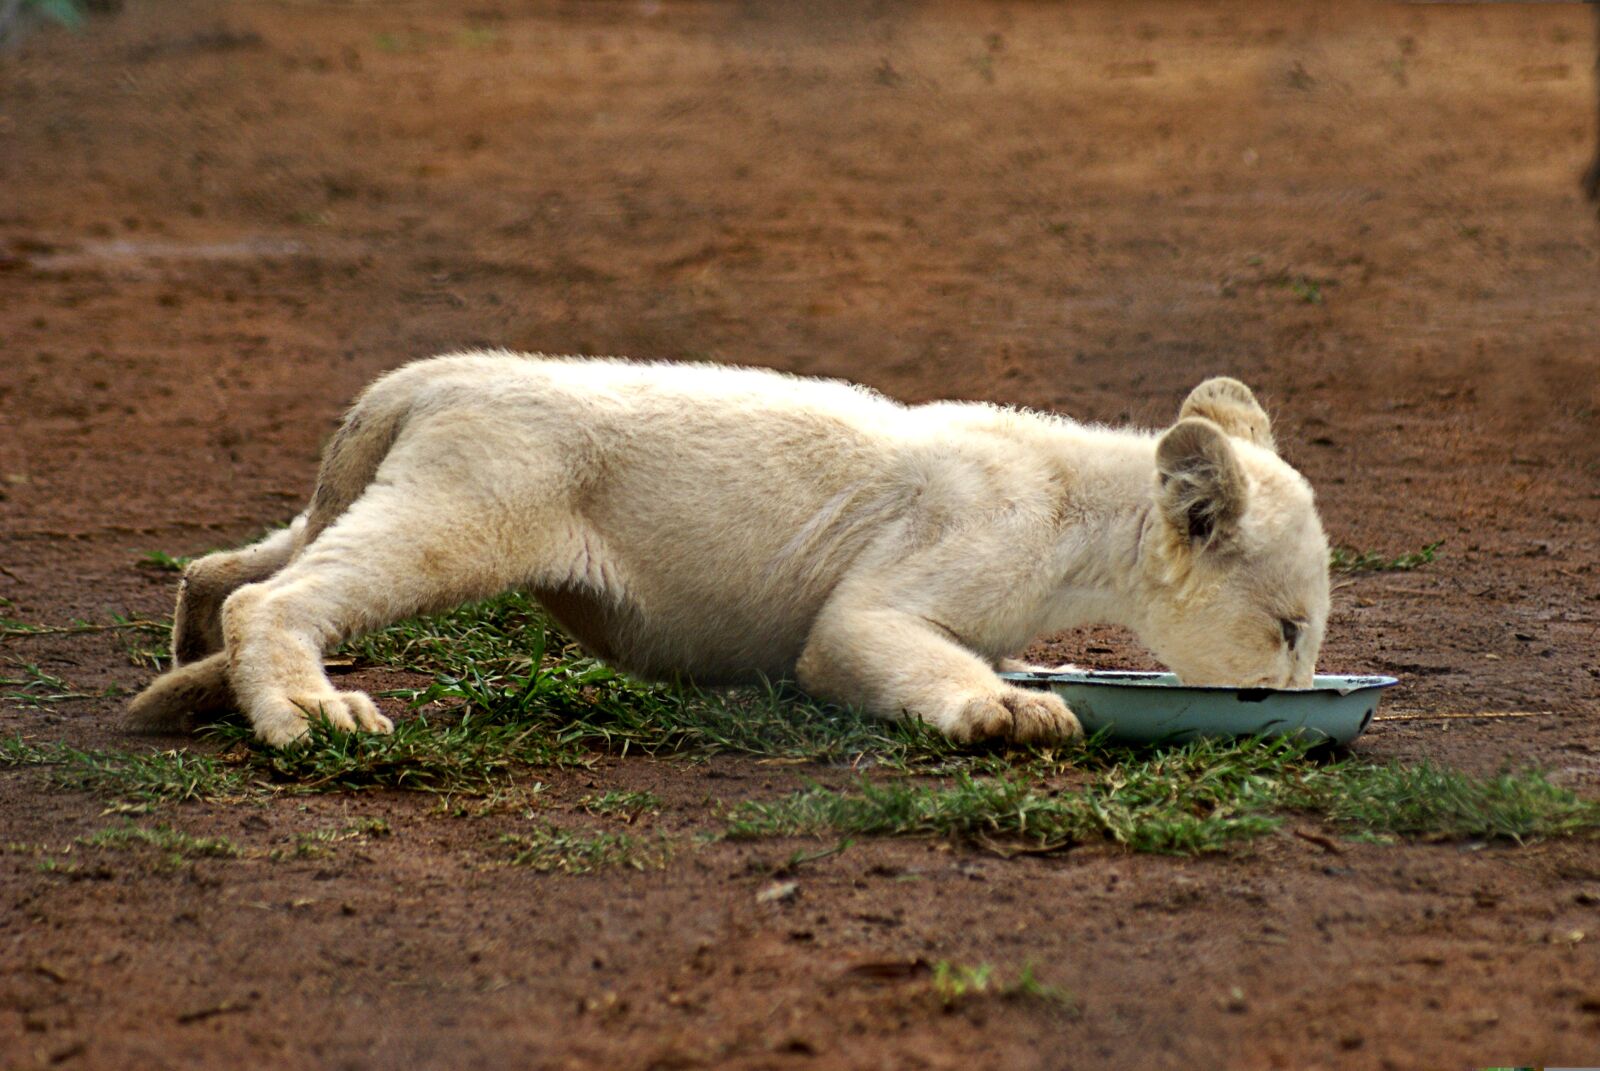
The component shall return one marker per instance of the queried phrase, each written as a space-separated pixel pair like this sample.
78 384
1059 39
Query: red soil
218 222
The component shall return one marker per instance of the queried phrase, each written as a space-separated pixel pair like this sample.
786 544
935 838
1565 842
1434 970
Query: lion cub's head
1235 555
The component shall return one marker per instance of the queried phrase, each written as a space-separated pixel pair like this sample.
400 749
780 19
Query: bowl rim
1322 683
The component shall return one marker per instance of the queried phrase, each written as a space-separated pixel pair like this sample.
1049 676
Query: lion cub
724 523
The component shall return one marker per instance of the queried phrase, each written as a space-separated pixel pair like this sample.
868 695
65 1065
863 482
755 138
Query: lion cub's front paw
1040 717
1019 714
290 719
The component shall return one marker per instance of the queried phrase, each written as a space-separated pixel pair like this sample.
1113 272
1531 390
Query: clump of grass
502 660
549 848
622 804
177 845
145 778
1428 801
1350 560
499 633
470 757
161 561
363 828
36 688
955 983
319 843
462 758
314 845
1307 290
1201 797
147 652
772 721
1028 985
992 809
18 847
1191 799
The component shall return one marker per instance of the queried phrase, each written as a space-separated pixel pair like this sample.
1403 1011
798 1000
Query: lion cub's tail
183 696
363 440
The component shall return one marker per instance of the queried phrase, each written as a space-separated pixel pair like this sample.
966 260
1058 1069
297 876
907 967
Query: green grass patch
954 982
470 756
549 848
153 653
461 758
415 41
1307 290
143 778
177 846
958 983
1350 560
161 561
1197 798
1428 801
33 687
496 632
321 843
622 804
503 661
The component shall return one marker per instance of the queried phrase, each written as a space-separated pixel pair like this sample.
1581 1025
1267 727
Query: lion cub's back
666 392
722 496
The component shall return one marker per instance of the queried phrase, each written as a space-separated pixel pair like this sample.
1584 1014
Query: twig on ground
17 631
1327 844
1427 715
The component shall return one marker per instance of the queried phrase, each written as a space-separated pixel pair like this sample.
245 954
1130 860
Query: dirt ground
218 221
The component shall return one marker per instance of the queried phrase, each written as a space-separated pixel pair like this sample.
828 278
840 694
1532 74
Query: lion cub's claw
347 711
1016 714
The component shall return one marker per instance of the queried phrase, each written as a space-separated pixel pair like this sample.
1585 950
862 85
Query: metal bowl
1156 707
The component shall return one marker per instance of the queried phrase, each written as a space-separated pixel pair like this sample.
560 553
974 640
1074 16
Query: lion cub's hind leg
196 687
401 549
197 621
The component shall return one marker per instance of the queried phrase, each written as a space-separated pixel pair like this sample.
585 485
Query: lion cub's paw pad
1040 717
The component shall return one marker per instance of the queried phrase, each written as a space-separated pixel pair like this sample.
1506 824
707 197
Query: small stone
779 892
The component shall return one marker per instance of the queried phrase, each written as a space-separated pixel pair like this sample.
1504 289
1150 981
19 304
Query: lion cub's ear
1202 488
1229 405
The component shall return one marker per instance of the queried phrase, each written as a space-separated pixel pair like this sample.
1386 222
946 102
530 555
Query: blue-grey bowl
1155 707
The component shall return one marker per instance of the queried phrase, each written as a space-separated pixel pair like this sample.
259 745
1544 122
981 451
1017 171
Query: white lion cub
723 523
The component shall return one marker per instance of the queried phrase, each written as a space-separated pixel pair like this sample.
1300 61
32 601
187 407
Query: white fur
724 523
